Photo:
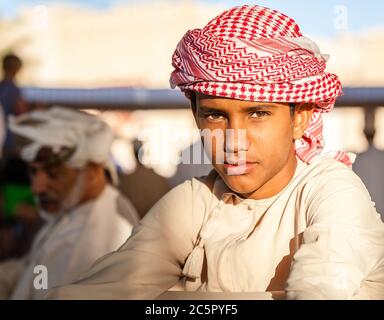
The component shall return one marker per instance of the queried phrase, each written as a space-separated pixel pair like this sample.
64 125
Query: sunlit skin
269 148
51 184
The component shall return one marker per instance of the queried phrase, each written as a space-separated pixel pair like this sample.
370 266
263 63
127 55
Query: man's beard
70 201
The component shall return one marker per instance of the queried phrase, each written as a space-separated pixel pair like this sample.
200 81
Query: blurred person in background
277 216
10 96
19 220
3 130
369 167
85 217
144 187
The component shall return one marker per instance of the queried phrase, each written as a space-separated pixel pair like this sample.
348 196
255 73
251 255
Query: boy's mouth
239 167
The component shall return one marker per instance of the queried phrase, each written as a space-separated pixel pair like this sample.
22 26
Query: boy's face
260 160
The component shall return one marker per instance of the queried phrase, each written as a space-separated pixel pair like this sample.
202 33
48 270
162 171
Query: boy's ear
301 119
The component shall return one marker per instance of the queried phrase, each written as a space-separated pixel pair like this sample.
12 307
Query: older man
86 218
276 217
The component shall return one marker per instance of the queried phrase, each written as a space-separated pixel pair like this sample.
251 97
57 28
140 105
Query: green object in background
14 194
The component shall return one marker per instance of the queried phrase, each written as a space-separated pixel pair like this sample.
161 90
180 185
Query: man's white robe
68 245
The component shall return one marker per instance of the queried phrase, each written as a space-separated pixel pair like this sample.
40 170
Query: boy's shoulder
333 188
326 176
326 168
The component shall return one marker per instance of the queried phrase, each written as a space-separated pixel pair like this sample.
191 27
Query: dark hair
192 97
11 62
292 107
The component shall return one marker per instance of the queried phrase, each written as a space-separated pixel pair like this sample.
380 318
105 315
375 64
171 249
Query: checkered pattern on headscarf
259 54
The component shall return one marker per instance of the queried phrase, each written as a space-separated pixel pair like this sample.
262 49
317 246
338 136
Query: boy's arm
149 263
341 245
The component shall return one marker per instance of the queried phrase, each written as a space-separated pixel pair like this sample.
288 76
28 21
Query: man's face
262 161
52 184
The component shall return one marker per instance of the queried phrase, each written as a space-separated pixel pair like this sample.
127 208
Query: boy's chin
241 184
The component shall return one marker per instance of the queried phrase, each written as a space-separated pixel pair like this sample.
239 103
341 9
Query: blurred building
67 45
81 47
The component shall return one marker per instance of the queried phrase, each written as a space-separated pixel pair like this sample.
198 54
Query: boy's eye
259 114
214 116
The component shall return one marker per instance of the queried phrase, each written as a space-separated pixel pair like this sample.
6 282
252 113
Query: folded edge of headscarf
57 127
258 54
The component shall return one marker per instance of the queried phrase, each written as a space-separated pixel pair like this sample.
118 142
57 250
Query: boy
274 216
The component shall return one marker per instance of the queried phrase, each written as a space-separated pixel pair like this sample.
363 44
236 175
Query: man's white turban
57 128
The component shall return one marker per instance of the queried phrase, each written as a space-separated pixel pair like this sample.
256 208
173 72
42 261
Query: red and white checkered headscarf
258 54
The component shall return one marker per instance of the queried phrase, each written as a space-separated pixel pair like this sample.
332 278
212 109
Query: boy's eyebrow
260 107
245 109
210 109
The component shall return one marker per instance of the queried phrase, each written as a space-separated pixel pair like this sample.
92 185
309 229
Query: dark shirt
9 94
